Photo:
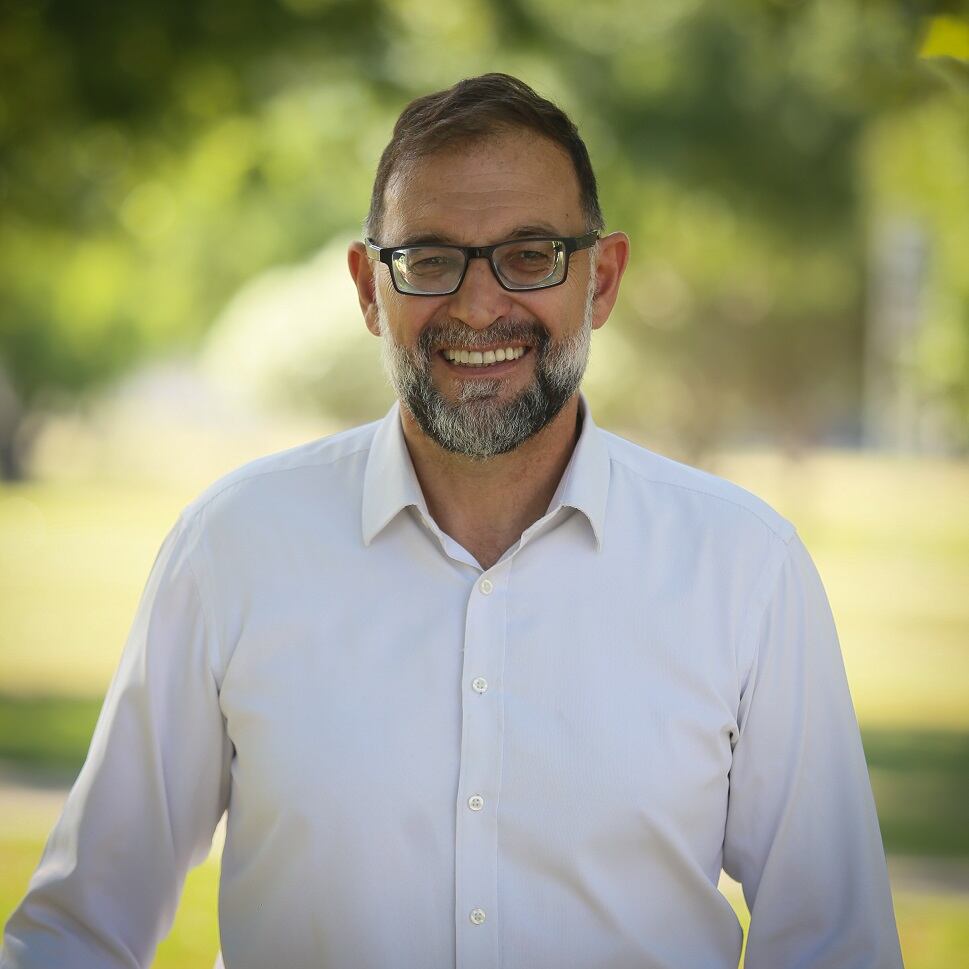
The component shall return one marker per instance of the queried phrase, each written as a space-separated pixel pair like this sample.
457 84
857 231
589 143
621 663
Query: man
479 685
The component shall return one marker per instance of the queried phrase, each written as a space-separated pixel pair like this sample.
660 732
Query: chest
583 705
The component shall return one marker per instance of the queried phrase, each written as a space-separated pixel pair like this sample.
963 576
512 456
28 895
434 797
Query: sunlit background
178 184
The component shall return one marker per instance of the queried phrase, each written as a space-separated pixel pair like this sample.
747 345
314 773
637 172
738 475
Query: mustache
454 333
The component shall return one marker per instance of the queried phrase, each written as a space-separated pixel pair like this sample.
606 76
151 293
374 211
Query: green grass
73 561
934 930
921 784
890 538
47 734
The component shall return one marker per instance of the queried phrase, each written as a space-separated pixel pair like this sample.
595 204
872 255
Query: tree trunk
12 450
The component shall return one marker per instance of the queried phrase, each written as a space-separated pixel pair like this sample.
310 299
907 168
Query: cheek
563 309
388 299
576 288
405 316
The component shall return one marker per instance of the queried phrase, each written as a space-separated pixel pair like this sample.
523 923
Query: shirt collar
390 483
585 483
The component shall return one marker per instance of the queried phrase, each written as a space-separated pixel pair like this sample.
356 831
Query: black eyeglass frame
385 254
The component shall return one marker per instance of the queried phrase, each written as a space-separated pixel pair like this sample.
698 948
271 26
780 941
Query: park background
178 183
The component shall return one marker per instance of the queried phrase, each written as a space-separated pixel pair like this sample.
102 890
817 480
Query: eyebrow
535 230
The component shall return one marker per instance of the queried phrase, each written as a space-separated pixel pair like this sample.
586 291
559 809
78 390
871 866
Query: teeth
475 358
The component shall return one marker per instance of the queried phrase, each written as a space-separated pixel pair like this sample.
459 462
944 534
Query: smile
486 358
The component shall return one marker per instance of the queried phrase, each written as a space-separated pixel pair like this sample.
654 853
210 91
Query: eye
428 262
528 261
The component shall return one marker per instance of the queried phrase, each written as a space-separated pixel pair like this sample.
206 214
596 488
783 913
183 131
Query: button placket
476 844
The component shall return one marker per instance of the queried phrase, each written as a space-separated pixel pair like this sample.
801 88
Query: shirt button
476 802
486 586
479 684
477 915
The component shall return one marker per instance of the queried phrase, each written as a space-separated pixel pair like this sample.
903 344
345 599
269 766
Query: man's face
513 185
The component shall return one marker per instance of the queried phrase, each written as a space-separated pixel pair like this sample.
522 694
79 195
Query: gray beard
480 425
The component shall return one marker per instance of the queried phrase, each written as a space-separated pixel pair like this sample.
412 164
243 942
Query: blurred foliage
916 163
156 155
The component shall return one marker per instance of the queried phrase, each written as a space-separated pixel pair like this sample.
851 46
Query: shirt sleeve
802 834
147 800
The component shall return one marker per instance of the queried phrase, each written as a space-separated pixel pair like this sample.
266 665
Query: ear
361 271
613 258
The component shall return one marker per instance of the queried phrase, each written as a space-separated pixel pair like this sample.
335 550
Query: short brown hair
475 108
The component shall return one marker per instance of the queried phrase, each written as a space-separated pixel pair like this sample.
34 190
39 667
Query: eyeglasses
522 264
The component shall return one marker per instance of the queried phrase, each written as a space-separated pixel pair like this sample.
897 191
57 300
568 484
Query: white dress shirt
542 765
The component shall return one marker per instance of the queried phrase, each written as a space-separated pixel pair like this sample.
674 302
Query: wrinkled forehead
479 191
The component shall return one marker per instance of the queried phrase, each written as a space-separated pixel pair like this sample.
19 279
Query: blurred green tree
154 156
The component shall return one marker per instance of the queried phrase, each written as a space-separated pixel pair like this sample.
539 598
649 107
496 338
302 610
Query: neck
486 504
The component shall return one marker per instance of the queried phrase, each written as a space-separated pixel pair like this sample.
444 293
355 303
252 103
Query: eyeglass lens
528 264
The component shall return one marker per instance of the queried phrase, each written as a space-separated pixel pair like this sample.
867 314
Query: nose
480 300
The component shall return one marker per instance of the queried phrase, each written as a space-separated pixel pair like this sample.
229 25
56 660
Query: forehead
483 191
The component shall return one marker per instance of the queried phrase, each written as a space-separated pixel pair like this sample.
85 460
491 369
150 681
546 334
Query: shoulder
671 487
319 469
